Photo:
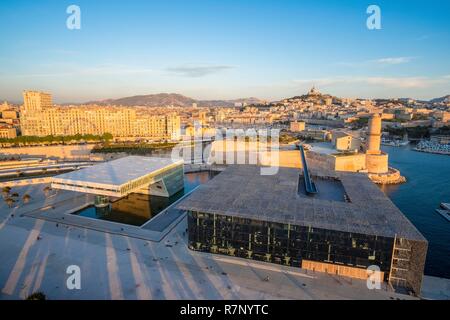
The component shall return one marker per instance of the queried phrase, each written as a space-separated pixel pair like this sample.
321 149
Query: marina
433 147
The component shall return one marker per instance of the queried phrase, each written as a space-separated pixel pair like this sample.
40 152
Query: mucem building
345 226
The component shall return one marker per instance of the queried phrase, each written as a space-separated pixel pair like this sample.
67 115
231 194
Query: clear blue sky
224 48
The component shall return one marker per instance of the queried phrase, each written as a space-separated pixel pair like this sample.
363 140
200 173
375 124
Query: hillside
445 99
165 99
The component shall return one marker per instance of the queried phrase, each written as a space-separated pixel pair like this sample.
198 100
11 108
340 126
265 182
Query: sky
224 49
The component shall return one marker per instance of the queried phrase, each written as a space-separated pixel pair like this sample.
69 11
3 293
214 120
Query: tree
6 190
26 198
34 140
36 296
107 136
47 190
10 202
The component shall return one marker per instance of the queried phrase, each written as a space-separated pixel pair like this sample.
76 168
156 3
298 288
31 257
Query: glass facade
286 243
173 179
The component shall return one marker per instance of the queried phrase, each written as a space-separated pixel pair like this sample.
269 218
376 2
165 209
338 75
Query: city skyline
221 50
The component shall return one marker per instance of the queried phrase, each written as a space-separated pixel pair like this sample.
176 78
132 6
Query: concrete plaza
36 252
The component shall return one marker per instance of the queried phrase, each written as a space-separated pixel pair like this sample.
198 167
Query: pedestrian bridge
118 178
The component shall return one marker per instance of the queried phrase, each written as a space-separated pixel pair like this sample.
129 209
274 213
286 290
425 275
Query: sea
428 184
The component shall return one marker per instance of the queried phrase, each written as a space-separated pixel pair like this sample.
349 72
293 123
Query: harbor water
428 184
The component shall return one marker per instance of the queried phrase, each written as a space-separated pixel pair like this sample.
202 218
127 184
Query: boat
444 211
403 143
388 143
394 143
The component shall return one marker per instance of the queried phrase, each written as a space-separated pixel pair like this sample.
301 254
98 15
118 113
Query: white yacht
444 211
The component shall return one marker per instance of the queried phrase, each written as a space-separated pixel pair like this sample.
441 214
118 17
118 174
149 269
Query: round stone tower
376 161
374 135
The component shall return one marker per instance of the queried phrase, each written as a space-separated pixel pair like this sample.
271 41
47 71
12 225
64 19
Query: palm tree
37 296
10 202
47 190
6 191
26 198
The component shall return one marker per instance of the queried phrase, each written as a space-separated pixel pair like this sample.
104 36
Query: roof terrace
349 202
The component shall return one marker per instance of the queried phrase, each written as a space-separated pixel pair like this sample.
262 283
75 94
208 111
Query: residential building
7 132
9 114
40 118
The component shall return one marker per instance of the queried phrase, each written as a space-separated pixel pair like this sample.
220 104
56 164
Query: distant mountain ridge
444 99
165 99
13 102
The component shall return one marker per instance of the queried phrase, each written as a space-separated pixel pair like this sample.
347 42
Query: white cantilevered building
118 178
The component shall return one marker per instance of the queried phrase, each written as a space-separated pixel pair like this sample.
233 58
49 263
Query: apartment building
40 118
7 132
